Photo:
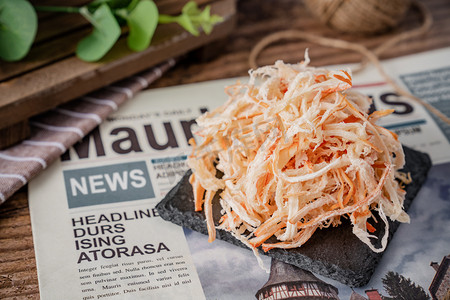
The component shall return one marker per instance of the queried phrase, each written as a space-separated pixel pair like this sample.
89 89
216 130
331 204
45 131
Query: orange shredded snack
294 150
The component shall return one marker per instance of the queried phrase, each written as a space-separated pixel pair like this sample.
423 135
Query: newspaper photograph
97 234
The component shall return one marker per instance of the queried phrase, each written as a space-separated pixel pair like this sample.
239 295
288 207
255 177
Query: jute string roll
359 16
369 55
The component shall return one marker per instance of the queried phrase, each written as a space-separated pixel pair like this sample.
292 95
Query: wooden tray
51 74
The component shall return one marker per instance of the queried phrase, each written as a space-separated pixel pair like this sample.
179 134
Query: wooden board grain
59 33
51 74
14 133
18 275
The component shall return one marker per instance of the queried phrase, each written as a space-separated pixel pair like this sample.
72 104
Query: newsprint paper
97 234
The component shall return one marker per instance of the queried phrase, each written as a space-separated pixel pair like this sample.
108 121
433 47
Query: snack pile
293 151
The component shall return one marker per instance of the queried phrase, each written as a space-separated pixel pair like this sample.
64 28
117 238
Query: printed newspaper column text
432 86
168 171
135 277
113 261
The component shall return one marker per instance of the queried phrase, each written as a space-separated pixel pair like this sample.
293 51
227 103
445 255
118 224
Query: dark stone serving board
333 252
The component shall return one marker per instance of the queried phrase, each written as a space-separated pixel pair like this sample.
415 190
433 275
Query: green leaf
205 16
191 18
132 4
186 22
190 8
205 19
18 26
105 34
142 21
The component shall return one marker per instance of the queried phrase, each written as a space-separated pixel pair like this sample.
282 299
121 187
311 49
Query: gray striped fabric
53 132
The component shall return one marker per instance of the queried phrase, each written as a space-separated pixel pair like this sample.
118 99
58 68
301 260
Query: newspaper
97 234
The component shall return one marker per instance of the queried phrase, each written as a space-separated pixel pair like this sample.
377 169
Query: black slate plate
333 252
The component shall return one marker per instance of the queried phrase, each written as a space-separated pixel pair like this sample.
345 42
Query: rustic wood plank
18 243
17 255
14 133
18 276
44 54
58 25
12 229
22 265
58 35
21 292
42 89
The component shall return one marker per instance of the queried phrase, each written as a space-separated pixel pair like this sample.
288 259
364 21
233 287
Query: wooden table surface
18 274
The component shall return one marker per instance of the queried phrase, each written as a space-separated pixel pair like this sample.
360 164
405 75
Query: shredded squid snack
292 151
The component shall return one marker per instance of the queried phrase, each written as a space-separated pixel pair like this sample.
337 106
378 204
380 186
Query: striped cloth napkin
53 132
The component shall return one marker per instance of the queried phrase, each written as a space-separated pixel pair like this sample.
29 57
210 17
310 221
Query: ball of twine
370 55
359 16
